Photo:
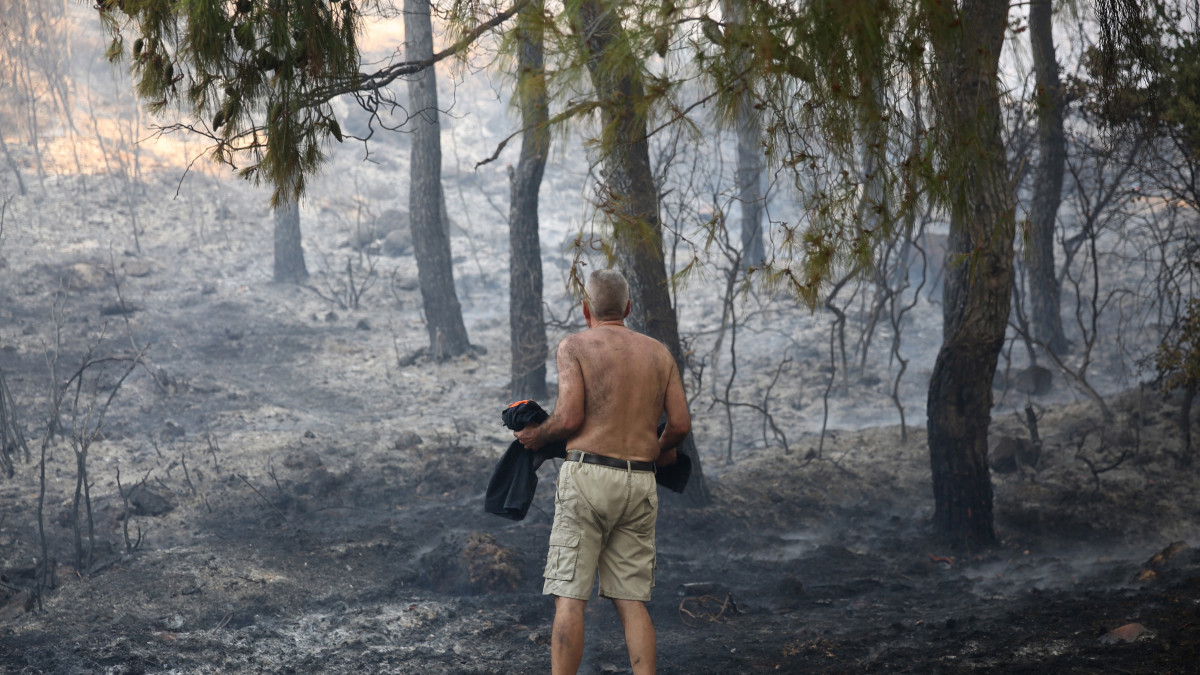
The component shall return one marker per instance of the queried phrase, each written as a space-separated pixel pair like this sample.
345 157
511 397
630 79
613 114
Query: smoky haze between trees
206 469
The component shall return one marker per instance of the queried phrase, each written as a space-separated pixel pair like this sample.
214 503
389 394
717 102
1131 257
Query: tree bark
289 255
1044 289
12 164
1185 424
979 271
630 196
526 325
748 178
431 239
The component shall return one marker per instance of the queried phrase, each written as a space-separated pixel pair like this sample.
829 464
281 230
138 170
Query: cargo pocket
644 517
564 553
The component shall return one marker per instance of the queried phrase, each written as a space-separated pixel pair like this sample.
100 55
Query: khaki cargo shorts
603 521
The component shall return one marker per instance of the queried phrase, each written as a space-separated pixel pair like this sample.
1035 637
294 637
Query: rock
1009 452
406 283
386 225
119 308
540 636
304 460
83 276
1034 380
139 268
171 431
320 482
790 585
1127 633
363 237
391 220
18 604
397 242
146 502
405 440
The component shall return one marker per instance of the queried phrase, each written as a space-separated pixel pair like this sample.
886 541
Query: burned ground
311 500
320 509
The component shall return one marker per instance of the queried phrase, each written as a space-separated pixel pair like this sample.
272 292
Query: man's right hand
531 436
666 458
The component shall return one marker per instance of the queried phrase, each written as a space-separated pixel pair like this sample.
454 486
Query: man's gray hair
607 294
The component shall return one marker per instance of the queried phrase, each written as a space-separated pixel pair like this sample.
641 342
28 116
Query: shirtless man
613 384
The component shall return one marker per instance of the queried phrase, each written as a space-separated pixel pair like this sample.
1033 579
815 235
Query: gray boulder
397 243
1009 453
1034 380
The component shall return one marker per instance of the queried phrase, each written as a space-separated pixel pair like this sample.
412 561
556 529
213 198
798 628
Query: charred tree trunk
1185 424
527 329
749 173
1044 288
289 255
630 196
979 271
749 182
431 238
12 164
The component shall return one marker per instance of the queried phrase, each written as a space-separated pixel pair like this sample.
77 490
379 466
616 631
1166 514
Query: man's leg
566 644
639 635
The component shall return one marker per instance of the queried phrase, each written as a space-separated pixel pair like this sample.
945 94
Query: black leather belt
590 458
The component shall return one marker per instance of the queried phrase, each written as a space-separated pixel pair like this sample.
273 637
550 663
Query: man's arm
679 420
567 417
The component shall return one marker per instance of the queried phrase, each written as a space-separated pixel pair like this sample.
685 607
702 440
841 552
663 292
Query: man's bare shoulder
656 346
571 343
583 343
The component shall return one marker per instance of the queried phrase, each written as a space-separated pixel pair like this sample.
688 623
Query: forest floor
304 502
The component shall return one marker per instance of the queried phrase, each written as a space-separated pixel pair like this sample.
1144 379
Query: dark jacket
514 480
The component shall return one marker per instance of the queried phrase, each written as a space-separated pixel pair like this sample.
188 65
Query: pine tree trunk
12 164
1044 288
289 255
431 239
631 199
748 177
1185 424
979 270
527 328
749 183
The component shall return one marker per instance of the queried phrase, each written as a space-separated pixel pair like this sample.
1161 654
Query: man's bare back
613 384
624 377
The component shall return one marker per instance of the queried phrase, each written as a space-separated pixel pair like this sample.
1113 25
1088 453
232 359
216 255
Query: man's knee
630 608
568 606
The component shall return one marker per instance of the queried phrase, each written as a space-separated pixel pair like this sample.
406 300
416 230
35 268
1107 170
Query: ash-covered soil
295 498
308 504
